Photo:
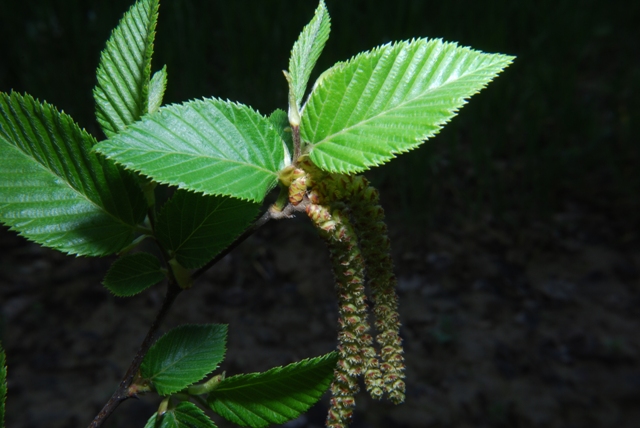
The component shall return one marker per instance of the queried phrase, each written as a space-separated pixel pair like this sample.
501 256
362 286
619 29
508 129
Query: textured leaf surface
125 68
184 356
193 227
307 49
54 190
389 100
3 384
132 274
211 146
275 396
157 87
184 415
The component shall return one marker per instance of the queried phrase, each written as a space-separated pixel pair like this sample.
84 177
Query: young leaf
193 227
54 190
275 396
280 121
184 415
307 49
132 274
184 356
122 92
211 146
389 100
157 87
3 384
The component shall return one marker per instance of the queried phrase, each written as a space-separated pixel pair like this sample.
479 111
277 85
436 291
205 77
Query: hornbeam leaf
184 356
307 49
275 396
184 415
3 384
157 87
389 100
54 190
122 92
193 227
211 146
133 273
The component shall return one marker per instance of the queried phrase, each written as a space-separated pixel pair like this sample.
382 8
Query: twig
124 390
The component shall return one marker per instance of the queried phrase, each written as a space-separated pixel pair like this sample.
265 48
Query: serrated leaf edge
130 167
340 66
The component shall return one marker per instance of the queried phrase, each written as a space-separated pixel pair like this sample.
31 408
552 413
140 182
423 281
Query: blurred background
515 230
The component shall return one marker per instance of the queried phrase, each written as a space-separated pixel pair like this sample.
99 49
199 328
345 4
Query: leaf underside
184 415
132 274
389 100
193 227
54 190
307 49
275 396
122 91
183 356
211 146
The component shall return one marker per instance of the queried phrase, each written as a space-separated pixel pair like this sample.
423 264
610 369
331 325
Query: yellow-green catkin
355 348
368 221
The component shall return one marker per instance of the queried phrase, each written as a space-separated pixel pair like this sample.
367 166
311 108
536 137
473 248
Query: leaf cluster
63 190
218 160
187 354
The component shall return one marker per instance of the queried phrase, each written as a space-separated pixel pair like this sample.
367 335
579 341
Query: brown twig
124 390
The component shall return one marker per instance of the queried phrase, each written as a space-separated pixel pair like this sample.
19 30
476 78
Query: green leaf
211 146
54 190
122 91
389 100
307 49
3 384
133 273
193 227
275 396
157 86
183 356
280 121
184 415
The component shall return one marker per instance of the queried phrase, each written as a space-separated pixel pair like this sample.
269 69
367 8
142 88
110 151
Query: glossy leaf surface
211 146
389 100
54 190
193 227
275 396
183 356
124 71
133 273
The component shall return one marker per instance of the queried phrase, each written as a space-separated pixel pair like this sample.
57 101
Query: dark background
515 229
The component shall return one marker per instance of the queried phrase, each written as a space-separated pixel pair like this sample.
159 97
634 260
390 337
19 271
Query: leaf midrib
63 180
345 130
191 155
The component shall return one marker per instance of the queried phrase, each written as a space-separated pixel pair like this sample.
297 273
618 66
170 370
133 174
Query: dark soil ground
534 326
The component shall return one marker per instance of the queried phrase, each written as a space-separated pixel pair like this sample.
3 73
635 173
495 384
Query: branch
124 390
